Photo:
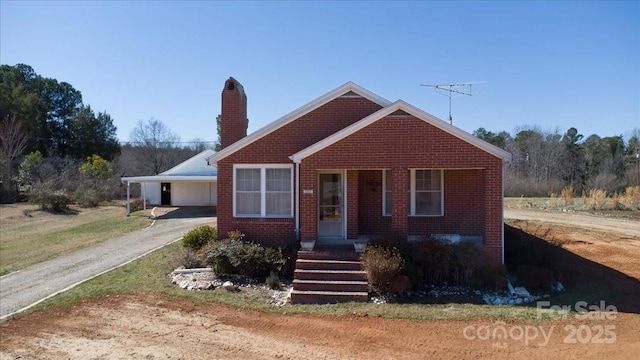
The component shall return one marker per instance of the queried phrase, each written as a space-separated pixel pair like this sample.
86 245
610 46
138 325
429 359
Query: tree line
546 161
51 142
49 139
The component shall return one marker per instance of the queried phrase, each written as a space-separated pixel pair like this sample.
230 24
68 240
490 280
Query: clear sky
554 65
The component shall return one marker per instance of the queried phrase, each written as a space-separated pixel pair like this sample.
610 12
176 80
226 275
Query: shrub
198 237
48 200
136 204
191 259
87 197
289 255
466 259
383 265
492 273
432 261
235 256
273 281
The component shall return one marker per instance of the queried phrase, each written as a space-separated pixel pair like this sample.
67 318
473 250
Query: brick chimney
233 120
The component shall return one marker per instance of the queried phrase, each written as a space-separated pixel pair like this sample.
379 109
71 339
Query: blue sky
548 64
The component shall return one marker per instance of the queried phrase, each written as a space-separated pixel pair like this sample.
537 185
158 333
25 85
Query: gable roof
400 105
349 89
196 165
196 168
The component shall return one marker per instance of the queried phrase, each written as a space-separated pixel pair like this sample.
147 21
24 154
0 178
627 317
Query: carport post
128 197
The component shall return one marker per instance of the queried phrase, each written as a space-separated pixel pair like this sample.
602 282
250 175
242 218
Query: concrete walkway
25 288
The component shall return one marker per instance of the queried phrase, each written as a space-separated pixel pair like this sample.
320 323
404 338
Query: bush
289 256
87 197
48 200
466 259
136 204
383 265
200 236
191 259
433 262
273 281
235 256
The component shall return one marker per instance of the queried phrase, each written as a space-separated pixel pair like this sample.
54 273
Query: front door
331 206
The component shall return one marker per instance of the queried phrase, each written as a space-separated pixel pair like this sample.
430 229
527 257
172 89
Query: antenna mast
451 90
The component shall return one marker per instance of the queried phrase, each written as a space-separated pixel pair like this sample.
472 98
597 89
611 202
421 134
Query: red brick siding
275 148
400 143
463 207
370 219
233 114
352 204
473 198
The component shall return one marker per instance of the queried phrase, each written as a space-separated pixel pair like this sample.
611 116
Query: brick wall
473 178
275 148
233 113
473 197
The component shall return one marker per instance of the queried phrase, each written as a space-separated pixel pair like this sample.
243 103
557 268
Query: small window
425 192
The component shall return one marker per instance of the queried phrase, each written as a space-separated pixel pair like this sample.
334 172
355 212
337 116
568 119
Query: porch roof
400 105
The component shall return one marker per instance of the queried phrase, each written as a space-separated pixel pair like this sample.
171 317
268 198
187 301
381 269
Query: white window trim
263 190
384 193
412 194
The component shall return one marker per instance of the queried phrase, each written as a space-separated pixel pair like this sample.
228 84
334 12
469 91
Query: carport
191 183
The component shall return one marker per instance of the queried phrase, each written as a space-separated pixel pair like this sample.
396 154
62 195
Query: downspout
502 227
297 215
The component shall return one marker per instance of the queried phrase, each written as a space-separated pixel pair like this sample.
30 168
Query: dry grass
595 199
30 236
592 200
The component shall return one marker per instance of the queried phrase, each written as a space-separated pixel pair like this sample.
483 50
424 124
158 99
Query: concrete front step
311 264
330 275
327 297
330 285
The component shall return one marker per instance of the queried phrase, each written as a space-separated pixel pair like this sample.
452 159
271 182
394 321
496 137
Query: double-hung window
425 192
263 191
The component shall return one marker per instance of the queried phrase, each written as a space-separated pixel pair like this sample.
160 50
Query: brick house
351 164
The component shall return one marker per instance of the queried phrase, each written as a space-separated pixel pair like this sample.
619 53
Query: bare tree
12 145
154 142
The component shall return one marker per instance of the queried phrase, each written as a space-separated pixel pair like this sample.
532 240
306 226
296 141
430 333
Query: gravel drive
629 227
25 288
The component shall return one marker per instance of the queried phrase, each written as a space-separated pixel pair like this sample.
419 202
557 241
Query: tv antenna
451 90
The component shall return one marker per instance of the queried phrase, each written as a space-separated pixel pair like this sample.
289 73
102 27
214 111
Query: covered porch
348 205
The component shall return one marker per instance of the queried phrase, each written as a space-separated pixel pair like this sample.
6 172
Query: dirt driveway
143 326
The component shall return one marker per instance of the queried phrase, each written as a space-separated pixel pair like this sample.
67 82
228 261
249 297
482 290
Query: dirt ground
151 327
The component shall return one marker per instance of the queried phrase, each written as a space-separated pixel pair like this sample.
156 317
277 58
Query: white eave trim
412 110
305 109
174 178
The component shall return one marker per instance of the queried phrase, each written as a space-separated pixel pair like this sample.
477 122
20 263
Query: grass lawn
151 275
30 237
